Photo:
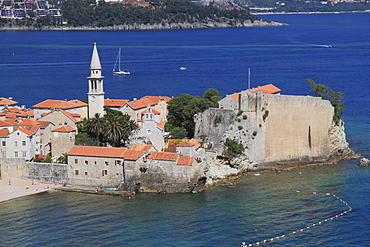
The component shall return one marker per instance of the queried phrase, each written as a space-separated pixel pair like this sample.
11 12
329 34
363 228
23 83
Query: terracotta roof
28 130
58 104
161 125
164 156
267 89
152 110
235 96
147 101
115 102
4 123
97 151
21 122
4 132
136 151
185 144
44 124
197 143
5 101
77 102
64 129
185 161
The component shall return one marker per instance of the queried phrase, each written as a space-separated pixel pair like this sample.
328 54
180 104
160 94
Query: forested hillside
88 13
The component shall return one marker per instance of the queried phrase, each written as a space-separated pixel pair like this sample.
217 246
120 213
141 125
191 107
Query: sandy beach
13 188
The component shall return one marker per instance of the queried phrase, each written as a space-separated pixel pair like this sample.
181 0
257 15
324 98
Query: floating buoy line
307 227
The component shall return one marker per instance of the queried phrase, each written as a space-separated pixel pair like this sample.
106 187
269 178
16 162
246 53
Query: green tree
212 95
326 93
96 127
63 159
233 148
178 133
181 111
48 159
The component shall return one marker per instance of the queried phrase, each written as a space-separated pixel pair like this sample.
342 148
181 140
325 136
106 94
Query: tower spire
95 61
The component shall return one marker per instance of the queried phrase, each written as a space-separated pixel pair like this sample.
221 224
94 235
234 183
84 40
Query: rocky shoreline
165 26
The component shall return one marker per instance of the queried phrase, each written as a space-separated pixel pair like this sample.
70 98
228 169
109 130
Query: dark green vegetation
233 148
113 128
326 93
89 13
304 6
181 111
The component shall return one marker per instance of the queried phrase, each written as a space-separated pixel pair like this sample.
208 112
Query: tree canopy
326 93
181 111
114 128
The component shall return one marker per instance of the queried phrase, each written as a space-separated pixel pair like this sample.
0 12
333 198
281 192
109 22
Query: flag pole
249 78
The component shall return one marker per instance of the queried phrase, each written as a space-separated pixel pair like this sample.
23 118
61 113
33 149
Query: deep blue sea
333 49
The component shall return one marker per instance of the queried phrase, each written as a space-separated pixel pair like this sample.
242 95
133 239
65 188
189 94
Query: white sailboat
118 71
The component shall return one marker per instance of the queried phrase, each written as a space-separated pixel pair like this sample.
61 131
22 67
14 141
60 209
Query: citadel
275 130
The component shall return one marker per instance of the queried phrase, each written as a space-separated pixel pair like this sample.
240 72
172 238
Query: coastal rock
364 162
338 145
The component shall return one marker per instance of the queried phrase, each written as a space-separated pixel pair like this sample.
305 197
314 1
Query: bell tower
96 90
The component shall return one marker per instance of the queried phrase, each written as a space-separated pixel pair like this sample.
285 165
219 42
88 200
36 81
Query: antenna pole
249 78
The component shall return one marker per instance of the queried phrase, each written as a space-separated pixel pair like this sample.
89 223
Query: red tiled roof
64 129
22 121
5 101
235 96
4 132
77 102
163 156
115 102
44 124
197 143
70 115
161 125
152 110
58 104
147 101
267 89
185 161
136 151
5 123
97 151
185 144
29 130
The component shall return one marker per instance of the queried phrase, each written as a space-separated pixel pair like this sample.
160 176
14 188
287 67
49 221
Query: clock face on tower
93 98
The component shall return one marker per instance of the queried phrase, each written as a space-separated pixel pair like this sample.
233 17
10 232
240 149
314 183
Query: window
85 173
104 173
77 172
24 154
106 163
15 143
3 154
118 162
95 162
23 143
86 162
76 161
3 143
15 154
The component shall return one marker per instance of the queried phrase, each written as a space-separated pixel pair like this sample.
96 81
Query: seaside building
75 107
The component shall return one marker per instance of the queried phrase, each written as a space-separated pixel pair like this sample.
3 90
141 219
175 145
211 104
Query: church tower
96 92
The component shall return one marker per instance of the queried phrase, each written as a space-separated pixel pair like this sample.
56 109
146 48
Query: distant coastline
307 13
166 26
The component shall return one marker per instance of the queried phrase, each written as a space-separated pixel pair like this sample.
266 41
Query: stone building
62 140
75 107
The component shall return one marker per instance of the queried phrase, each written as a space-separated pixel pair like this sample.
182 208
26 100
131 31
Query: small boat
182 68
118 71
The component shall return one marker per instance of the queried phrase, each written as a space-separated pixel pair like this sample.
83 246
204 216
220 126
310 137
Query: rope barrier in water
309 226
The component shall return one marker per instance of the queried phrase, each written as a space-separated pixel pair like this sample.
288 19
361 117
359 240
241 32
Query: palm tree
63 159
96 126
114 130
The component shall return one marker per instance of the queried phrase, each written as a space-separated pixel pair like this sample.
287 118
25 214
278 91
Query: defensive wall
275 129
43 172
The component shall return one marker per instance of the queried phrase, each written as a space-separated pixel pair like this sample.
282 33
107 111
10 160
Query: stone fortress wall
275 129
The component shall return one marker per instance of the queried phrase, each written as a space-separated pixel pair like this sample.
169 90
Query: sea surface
333 49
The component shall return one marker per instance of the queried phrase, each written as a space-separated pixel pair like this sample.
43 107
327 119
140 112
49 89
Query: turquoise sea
332 49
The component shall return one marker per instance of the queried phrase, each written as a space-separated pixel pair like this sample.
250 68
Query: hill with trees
168 14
